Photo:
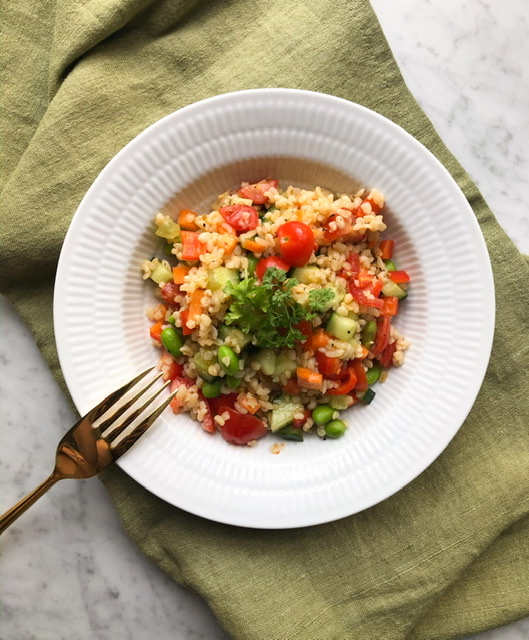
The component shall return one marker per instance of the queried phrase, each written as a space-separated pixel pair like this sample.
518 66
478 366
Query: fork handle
10 516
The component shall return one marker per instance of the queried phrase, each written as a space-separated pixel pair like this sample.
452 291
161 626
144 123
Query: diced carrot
226 229
195 306
228 243
386 249
365 353
179 273
320 338
253 246
192 248
156 331
251 404
184 315
186 220
309 379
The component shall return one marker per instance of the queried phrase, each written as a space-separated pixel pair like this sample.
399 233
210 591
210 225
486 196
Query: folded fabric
446 556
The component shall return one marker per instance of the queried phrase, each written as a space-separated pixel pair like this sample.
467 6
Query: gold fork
98 439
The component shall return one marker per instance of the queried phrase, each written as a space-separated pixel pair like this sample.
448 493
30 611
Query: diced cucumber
342 327
340 403
391 288
202 366
267 359
291 433
169 230
283 412
162 273
306 275
220 276
284 364
235 335
368 396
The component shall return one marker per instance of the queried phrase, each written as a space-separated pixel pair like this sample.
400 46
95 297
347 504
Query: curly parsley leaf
269 312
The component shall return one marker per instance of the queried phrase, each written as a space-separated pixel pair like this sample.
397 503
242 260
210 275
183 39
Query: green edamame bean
233 382
322 414
212 389
369 333
390 265
228 360
373 374
335 429
172 341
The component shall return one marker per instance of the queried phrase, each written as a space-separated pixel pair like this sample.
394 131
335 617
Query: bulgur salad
276 309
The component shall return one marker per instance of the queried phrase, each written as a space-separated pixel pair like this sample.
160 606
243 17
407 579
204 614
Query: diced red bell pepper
386 357
192 248
156 331
399 276
347 384
361 377
386 249
184 316
390 306
382 336
169 367
328 366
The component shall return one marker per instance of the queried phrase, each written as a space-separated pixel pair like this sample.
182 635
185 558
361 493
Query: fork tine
112 398
117 413
117 429
126 443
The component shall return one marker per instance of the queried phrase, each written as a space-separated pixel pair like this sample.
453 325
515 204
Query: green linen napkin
446 556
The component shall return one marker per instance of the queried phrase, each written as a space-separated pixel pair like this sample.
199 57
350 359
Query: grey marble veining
68 570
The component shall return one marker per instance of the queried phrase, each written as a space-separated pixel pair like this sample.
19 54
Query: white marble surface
68 570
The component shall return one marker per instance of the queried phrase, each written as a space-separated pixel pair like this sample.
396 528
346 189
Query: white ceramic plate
307 139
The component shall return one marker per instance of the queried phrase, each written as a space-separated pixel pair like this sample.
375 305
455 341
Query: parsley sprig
269 312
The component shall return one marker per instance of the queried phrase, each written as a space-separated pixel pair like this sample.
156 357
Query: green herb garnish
268 311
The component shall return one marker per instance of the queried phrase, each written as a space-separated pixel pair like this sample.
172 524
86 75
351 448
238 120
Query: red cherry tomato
241 217
296 242
267 263
256 192
241 428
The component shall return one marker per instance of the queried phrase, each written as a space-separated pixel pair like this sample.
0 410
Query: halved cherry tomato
361 377
224 400
346 232
169 367
360 295
177 382
386 249
267 263
296 242
168 293
327 366
399 276
347 384
382 336
241 217
300 422
241 428
192 248
292 387
390 306
306 329
386 357
256 192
